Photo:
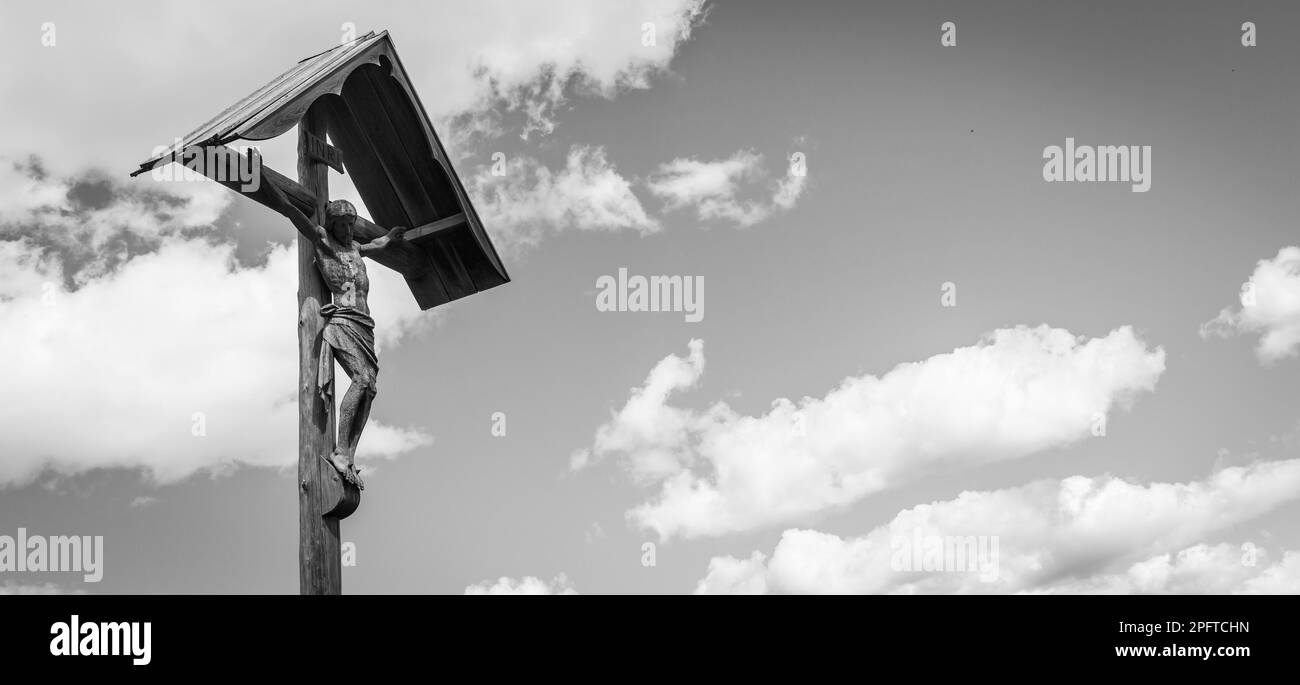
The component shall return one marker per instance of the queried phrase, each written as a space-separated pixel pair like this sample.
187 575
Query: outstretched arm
395 233
280 203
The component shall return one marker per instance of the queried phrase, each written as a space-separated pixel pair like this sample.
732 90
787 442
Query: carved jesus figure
349 332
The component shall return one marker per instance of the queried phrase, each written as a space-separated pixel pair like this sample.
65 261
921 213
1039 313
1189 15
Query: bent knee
368 384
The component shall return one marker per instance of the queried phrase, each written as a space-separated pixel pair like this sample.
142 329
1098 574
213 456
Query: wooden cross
324 499
359 96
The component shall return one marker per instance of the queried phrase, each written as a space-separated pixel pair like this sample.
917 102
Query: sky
904 331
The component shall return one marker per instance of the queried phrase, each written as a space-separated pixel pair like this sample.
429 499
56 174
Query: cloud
713 188
85 254
91 223
1270 306
139 344
124 370
1202 569
143 501
478 65
526 201
540 55
506 66
1078 534
1016 392
731 576
524 586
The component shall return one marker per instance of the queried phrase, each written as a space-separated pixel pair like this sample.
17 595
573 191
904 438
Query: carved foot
353 476
347 469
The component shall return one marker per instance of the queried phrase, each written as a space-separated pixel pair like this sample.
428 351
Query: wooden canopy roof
389 149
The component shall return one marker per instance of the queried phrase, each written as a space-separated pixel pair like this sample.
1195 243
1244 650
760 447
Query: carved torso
344 271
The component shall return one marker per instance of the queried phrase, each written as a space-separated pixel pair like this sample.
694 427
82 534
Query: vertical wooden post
319 556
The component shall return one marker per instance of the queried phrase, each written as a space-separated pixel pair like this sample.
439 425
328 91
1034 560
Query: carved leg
353 414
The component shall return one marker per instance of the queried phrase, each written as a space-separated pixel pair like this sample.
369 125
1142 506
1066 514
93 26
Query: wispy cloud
716 189
524 201
1270 307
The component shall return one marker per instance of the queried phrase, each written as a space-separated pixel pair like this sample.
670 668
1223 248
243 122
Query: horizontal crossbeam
403 257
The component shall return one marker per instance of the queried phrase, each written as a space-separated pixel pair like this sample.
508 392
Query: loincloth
349 337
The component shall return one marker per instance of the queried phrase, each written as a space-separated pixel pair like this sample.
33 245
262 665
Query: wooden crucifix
356 96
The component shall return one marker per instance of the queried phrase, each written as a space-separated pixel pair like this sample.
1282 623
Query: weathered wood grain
320 569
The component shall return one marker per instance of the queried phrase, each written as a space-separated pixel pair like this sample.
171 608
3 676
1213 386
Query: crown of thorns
340 208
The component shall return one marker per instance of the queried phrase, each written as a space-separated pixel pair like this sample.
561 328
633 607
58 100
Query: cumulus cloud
598 50
1078 534
527 585
732 576
1270 307
124 370
91 223
714 188
524 200
140 344
128 363
1221 569
1017 391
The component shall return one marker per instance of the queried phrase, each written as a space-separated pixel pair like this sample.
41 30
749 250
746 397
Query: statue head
340 216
